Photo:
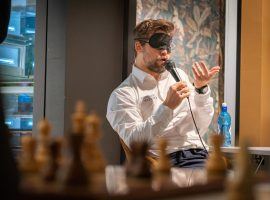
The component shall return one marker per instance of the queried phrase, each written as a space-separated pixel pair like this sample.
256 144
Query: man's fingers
211 74
184 95
215 68
196 73
199 69
180 85
174 87
213 71
184 90
204 68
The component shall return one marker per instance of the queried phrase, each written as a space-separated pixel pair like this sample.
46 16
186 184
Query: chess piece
138 166
162 169
240 187
92 155
163 165
50 170
76 174
78 118
42 153
216 166
27 161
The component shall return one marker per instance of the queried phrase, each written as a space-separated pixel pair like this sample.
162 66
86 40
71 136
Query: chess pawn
240 187
42 154
50 171
92 155
76 174
216 166
163 165
93 127
162 169
78 118
27 161
138 166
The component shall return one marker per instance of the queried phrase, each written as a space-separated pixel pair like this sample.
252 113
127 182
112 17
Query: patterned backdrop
199 36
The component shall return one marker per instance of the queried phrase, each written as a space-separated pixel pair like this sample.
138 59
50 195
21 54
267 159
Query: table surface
252 150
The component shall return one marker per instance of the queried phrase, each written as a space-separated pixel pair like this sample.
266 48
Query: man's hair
147 28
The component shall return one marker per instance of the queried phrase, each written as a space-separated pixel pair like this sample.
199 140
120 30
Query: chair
153 161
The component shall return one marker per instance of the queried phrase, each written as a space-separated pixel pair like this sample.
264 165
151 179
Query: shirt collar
142 75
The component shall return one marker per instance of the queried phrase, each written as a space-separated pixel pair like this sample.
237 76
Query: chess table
260 155
190 184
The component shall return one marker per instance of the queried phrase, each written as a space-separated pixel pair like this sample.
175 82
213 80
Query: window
17 69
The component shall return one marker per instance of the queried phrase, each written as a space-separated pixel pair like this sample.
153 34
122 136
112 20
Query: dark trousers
190 158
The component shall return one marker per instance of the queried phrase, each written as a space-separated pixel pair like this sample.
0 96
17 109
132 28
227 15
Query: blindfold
158 41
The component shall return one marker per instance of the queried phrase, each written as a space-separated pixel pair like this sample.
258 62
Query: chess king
150 104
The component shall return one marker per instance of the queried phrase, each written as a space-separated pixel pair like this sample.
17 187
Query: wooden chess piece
138 172
162 169
27 161
42 153
163 165
216 166
78 118
138 166
51 169
92 156
76 174
240 187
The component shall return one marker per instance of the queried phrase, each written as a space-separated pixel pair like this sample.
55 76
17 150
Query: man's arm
204 103
125 118
204 110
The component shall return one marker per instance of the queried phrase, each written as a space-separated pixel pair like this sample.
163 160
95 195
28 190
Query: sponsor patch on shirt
149 98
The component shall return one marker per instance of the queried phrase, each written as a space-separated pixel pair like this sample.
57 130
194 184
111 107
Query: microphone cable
193 119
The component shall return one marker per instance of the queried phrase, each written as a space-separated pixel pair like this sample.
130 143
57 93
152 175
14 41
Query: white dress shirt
135 111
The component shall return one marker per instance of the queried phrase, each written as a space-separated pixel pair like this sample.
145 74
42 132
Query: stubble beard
156 67
153 65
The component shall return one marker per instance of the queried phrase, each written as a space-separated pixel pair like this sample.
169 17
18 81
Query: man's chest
149 101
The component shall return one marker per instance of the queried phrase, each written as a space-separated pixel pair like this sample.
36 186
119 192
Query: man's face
156 52
154 59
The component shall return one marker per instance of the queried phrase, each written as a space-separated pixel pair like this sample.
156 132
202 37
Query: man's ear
138 46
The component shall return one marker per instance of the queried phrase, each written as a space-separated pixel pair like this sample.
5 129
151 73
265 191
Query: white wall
230 72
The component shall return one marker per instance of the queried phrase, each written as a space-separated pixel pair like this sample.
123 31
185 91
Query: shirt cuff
163 116
200 99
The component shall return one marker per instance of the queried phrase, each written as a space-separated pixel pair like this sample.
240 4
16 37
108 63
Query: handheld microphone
170 67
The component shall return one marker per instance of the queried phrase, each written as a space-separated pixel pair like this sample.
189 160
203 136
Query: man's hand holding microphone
178 91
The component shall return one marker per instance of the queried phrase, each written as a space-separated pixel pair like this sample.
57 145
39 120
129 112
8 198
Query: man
149 104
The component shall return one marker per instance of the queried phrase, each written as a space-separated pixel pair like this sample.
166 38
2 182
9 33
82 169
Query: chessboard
73 167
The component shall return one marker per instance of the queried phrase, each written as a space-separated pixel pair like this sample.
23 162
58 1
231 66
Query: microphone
170 67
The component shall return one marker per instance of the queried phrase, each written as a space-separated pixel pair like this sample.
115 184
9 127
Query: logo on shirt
149 98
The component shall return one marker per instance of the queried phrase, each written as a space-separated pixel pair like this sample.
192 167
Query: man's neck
145 69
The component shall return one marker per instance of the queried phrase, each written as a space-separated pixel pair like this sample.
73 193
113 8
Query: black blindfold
158 41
